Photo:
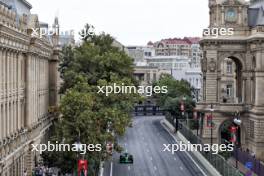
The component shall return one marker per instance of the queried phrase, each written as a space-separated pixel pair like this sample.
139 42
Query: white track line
184 151
111 169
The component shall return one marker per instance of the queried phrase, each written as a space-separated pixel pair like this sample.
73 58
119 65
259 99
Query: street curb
210 169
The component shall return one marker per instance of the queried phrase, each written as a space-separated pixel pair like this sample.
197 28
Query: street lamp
211 110
183 110
195 116
237 121
176 120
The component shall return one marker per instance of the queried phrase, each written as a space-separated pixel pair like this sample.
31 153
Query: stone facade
147 75
246 49
28 88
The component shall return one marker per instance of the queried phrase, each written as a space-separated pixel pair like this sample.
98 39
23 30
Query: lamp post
211 110
183 108
195 116
237 121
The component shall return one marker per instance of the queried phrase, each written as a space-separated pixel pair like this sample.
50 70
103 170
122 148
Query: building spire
56 28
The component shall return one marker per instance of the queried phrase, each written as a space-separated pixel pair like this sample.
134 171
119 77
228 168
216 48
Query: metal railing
217 161
245 157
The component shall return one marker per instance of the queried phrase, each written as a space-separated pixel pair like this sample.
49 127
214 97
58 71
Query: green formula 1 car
126 158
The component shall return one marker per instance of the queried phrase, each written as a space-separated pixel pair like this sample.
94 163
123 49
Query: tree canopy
179 91
86 115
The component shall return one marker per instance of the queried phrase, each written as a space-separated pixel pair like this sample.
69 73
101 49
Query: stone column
7 90
53 78
1 123
28 86
211 76
259 79
4 120
223 16
1 93
247 90
1 71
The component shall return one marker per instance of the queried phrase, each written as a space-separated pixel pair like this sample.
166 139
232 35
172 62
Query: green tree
86 115
177 90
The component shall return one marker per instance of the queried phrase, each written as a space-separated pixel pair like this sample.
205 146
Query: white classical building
28 86
193 76
140 54
169 62
233 74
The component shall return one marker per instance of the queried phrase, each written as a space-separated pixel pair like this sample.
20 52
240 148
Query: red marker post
209 121
82 167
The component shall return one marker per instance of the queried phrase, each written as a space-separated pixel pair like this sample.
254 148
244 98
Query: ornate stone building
28 87
243 51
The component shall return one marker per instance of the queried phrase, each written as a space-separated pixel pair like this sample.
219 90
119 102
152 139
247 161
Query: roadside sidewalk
198 158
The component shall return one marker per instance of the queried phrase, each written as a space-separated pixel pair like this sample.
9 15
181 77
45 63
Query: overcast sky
132 22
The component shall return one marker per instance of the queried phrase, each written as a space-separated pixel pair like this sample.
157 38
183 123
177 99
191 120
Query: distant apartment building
143 72
180 58
28 86
173 47
196 53
194 77
146 75
186 47
141 54
169 62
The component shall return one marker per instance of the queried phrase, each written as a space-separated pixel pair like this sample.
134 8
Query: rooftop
182 41
11 2
256 13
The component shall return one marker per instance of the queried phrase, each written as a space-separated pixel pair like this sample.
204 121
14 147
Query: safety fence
219 162
244 158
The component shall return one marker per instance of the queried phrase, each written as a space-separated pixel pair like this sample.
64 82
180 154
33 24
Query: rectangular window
229 89
154 77
148 77
229 67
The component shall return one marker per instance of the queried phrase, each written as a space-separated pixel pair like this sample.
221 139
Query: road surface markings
184 151
150 158
111 169
181 168
129 168
174 159
148 150
155 168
